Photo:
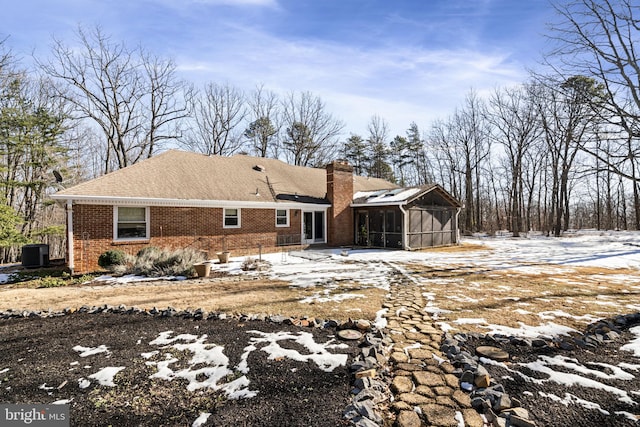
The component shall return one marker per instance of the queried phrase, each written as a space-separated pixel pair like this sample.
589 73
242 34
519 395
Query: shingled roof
180 175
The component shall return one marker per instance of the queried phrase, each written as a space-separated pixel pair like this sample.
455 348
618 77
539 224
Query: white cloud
400 83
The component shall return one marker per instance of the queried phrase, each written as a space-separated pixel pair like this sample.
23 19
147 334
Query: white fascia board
373 205
136 201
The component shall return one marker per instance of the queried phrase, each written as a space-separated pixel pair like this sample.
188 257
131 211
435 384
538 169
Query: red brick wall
174 228
340 194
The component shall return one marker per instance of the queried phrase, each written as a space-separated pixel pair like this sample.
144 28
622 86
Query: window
131 223
232 218
282 217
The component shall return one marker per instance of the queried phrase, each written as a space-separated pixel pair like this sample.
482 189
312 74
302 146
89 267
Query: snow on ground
89 351
317 353
105 375
6 278
634 345
213 365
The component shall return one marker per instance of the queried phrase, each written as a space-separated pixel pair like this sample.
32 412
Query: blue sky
402 60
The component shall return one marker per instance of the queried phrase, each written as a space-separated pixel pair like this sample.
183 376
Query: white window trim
224 216
147 220
287 217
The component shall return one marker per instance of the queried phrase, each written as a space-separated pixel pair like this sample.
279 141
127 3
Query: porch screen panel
376 228
414 233
447 227
393 230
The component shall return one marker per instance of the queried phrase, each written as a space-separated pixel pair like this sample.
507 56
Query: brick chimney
340 195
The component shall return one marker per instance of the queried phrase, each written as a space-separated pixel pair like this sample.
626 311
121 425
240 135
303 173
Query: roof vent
259 168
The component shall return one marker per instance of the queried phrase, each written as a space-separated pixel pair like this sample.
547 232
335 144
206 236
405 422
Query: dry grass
228 295
572 297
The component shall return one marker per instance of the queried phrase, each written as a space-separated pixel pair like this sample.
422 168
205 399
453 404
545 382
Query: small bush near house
112 258
51 282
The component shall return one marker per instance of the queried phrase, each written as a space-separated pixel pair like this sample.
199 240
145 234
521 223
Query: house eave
142 201
370 205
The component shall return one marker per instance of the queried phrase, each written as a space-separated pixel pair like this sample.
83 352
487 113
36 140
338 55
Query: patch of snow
569 379
90 351
201 420
573 364
627 415
150 354
380 321
6 278
459 418
440 360
445 326
317 352
548 330
62 402
83 383
163 338
214 371
319 298
552 314
634 345
105 375
2 371
44 387
570 398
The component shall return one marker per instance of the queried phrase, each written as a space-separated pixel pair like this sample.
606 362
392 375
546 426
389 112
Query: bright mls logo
34 415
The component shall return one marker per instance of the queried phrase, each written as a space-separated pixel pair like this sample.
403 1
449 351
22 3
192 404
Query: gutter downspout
458 210
69 209
405 220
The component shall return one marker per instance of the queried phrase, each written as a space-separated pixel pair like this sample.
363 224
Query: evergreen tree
354 150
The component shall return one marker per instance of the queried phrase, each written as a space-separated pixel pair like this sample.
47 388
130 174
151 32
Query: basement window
282 217
131 223
231 218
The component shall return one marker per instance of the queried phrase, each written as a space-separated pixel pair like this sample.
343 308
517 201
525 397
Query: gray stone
367 409
467 377
519 412
364 422
521 422
493 353
408 419
538 342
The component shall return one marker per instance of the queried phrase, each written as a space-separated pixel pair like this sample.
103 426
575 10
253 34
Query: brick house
211 203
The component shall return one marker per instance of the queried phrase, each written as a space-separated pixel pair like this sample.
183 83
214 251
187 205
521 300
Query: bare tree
130 95
166 106
311 133
218 112
513 116
597 38
264 125
568 112
445 156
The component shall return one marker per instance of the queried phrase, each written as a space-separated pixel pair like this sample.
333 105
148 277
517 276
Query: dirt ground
38 364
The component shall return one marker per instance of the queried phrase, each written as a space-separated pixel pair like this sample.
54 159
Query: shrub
148 251
156 262
112 258
51 282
